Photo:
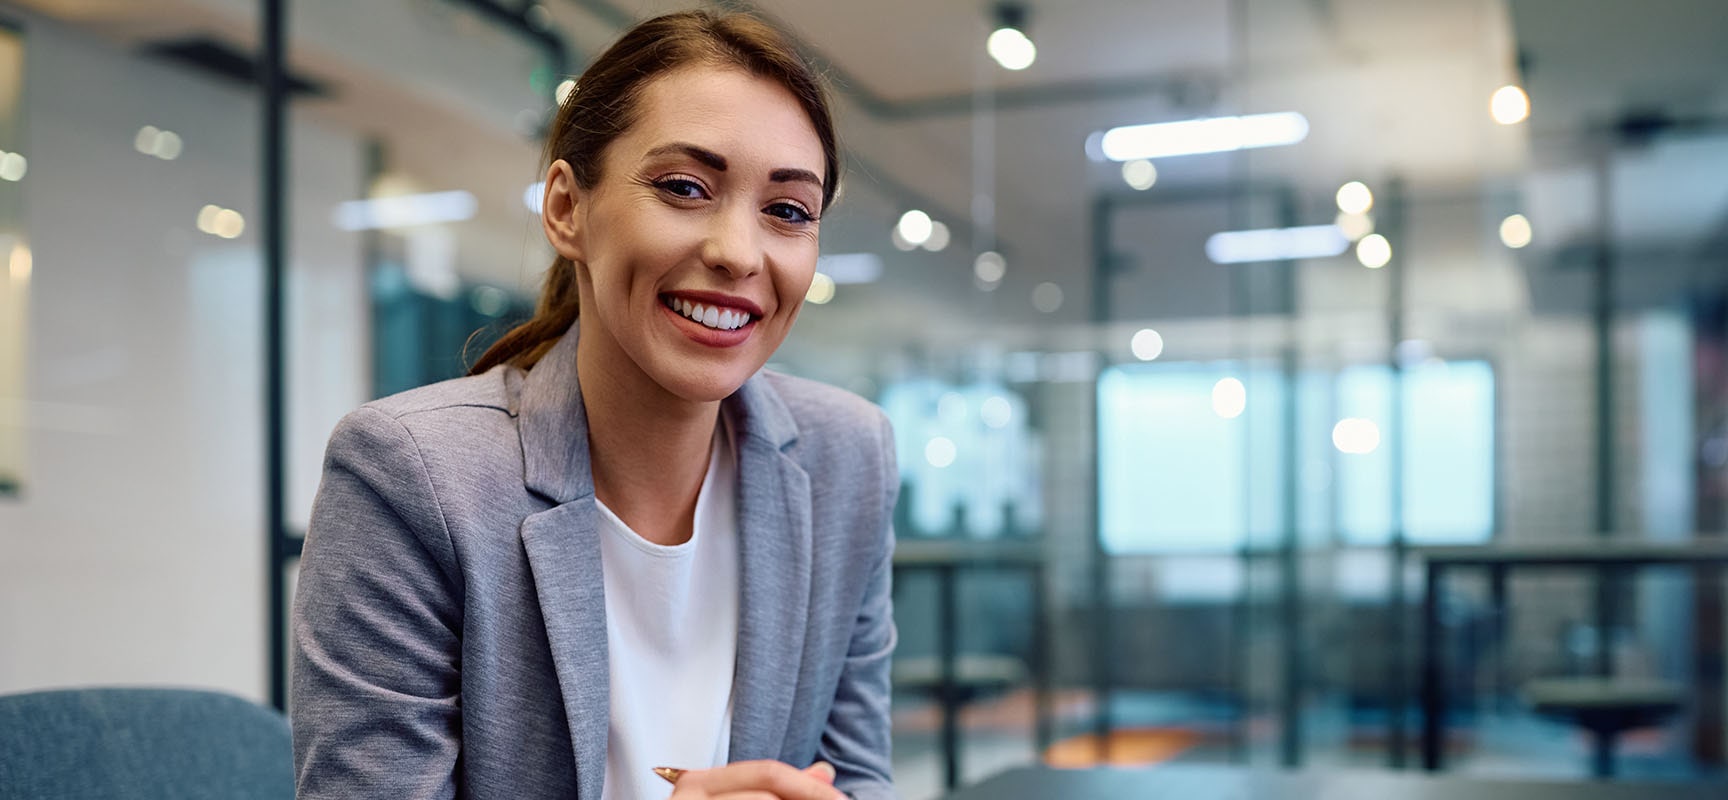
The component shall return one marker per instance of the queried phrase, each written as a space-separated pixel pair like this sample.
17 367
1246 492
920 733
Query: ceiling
1393 90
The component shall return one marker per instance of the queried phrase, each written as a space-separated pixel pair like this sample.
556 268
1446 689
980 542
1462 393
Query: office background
1491 318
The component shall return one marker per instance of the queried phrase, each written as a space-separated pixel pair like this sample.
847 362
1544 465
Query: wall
136 553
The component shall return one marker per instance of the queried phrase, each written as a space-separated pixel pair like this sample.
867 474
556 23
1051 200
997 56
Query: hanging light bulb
1009 44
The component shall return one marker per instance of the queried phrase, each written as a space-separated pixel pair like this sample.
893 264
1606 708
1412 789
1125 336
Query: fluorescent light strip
1212 135
405 210
534 197
847 268
1277 244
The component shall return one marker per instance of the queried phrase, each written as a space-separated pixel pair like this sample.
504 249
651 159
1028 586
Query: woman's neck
648 449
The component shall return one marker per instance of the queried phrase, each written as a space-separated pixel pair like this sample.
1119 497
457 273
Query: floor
997 735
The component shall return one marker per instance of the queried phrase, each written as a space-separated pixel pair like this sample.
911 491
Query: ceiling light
222 222
940 452
1276 244
1355 198
1211 135
996 411
1374 251
1509 105
406 210
1139 173
145 141
228 224
489 301
1515 231
821 289
1356 436
1146 344
168 146
914 227
989 267
1229 398
153 141
13 166
1008 44
564 89
207 218
534 197
1047 297
20 263
938 239
1011 49
1354 226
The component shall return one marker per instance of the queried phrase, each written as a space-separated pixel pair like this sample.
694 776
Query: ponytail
524 344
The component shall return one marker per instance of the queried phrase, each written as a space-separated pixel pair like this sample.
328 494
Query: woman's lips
704 335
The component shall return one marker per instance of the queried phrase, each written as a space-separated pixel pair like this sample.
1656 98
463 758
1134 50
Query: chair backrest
143 744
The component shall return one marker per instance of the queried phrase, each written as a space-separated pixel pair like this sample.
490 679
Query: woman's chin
705 385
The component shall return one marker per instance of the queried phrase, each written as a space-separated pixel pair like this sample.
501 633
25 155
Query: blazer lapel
774 541
563 548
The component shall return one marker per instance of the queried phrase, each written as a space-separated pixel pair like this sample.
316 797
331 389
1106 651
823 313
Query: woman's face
696 245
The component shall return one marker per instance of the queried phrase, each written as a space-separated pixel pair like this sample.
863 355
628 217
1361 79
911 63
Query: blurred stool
1606 707
974 676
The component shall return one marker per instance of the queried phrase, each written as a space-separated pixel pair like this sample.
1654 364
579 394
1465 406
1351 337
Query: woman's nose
732 243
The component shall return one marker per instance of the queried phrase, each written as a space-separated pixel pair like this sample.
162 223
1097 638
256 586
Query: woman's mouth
709 316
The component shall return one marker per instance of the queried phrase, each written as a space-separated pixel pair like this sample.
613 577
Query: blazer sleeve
857 740
376 625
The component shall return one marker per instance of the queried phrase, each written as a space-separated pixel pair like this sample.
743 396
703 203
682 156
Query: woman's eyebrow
717 162
794 174
707 157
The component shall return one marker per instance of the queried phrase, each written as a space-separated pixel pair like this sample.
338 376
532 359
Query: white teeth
710 316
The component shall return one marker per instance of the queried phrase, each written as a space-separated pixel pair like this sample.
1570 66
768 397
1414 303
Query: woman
617 545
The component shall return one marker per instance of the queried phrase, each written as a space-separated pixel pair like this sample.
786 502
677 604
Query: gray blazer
449 629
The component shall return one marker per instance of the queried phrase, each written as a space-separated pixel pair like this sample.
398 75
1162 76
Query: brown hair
605 104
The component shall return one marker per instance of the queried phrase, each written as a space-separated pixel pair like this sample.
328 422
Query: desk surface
1579 552
914 552
1205 782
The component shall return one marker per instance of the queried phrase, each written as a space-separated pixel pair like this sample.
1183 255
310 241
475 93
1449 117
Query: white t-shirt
672 638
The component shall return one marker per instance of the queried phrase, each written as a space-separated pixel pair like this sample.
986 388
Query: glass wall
130 377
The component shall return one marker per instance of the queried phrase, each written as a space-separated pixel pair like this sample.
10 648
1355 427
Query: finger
783 781
822 771
745 796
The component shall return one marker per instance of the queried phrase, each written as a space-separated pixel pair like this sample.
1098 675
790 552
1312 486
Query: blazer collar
554 426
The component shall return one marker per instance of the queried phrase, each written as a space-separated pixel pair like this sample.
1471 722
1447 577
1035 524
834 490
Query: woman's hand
758 780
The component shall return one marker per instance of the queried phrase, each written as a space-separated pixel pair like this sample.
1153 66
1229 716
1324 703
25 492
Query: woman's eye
790 213
680 188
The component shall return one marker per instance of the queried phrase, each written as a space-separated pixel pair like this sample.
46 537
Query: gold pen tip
671 774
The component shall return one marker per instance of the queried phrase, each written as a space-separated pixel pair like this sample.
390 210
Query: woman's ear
559 211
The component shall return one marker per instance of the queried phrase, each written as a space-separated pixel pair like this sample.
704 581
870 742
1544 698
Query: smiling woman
597 562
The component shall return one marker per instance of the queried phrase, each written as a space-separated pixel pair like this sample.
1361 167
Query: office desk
1608 557
946 558
1207 782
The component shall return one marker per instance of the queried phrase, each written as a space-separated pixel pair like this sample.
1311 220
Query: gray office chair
143 744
